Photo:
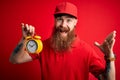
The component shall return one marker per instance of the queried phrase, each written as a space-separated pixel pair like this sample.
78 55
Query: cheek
71 26
57 24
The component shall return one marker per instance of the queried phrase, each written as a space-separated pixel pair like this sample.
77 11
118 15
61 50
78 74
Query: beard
60 43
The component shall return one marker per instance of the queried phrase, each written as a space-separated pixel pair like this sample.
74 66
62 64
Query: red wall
97 18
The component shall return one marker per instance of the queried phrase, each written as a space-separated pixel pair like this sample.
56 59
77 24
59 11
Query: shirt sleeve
34 56
96 64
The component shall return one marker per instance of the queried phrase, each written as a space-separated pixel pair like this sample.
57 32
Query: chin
63 34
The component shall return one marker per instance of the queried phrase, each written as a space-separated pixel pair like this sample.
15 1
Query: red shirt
70 65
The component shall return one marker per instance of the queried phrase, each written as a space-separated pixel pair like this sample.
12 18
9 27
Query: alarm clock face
31 46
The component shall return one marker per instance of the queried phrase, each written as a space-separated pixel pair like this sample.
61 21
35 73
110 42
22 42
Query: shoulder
81 44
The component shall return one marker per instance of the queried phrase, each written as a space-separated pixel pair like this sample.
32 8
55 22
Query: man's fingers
32 29
111 36
27 29
22 25
114 34
113 44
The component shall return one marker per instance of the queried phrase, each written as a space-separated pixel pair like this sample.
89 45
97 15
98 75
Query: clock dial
31 46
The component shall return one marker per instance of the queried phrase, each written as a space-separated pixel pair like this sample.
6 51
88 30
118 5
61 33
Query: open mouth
63 29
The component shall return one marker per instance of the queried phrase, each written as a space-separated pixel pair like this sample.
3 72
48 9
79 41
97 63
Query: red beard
59 43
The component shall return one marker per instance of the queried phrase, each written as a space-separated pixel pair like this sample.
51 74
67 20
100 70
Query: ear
76 20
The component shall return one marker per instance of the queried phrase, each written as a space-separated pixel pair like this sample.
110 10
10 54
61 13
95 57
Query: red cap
66 8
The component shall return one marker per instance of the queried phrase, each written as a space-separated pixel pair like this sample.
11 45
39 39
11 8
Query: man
64 55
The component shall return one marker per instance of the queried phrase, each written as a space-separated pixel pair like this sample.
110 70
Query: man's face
63 33
65 24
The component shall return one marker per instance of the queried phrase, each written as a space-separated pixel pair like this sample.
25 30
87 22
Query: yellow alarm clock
34 44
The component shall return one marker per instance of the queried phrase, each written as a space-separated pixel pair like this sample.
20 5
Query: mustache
63 29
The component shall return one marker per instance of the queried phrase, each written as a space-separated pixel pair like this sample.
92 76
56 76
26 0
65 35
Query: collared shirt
70 65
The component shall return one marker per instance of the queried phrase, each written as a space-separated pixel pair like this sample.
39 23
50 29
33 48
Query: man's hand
27 30
107 46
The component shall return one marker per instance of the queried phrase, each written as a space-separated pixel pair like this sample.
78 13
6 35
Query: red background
97 18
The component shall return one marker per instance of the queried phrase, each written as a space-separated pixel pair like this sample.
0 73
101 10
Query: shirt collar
75 42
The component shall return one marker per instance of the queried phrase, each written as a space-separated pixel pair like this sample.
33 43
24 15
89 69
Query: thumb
97 44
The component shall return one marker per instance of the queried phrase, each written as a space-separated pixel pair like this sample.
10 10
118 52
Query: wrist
111 57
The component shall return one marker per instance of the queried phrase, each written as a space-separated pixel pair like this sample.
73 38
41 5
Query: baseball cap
66 8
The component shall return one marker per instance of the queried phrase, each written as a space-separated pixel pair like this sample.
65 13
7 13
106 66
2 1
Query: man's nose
63 24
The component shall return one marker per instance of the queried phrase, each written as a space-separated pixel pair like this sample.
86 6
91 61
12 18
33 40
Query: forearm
107 48
109 73
19 55
17 52
110 69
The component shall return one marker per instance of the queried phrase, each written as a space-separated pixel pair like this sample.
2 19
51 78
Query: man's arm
109 73
107 48
19 55
110 68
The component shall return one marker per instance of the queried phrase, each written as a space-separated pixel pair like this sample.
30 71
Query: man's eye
69 20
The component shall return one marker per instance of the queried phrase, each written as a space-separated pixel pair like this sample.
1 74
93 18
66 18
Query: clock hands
31 45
